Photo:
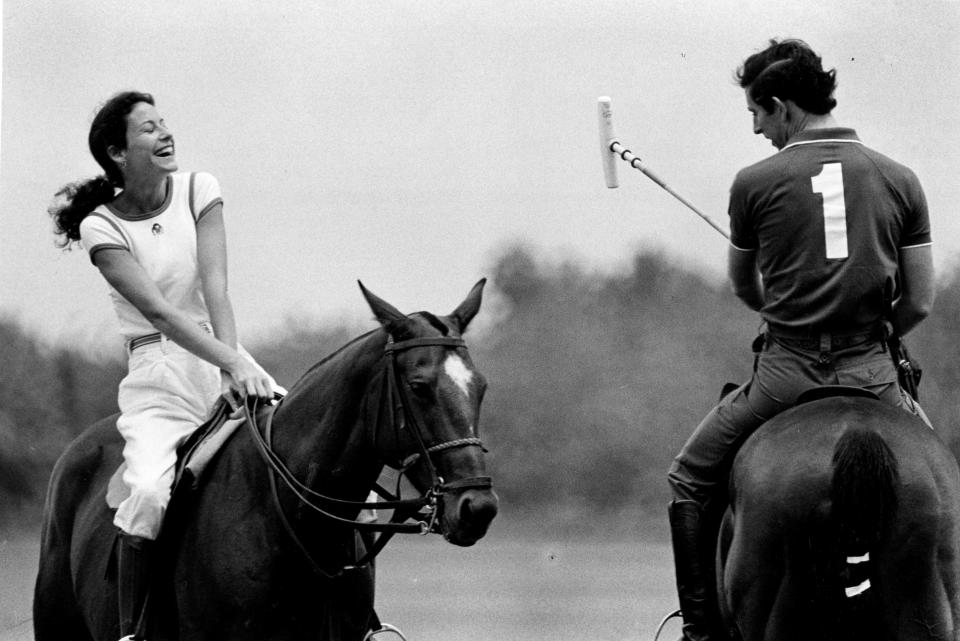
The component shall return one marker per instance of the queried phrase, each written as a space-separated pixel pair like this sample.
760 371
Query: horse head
439 394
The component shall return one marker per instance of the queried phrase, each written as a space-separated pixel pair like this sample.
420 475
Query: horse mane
323 361
399 330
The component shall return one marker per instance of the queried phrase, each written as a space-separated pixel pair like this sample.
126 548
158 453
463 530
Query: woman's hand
244 379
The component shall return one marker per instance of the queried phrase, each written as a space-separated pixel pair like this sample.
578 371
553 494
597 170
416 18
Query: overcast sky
407 143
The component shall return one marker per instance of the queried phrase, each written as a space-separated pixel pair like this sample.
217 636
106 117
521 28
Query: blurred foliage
596 380
47 396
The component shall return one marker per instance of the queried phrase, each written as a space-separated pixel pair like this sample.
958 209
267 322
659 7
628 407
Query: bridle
421 510
400 391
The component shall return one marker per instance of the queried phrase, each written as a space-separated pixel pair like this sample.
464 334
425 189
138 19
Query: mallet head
607 157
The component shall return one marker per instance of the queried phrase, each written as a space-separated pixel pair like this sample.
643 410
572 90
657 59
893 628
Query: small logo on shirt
157 229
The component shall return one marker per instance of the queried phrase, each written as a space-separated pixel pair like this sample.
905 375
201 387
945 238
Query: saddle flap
193 457
117 490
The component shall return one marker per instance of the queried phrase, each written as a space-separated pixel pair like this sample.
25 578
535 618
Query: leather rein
421 510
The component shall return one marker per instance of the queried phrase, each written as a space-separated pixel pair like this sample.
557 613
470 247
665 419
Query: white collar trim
813 142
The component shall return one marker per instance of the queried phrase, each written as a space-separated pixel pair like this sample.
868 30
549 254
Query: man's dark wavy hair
789 70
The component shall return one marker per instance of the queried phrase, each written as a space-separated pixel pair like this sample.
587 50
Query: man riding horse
830 243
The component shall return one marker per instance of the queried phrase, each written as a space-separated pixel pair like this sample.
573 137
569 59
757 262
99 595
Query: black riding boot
692 577
133 576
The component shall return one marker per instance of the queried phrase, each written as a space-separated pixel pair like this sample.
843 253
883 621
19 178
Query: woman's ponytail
74 202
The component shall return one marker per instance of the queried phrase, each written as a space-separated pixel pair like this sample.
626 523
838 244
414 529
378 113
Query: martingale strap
403 509
303 493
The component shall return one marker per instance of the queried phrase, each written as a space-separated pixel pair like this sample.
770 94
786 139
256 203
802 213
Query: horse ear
384 311
465 312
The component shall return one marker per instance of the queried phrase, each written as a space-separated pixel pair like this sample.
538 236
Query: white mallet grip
607 157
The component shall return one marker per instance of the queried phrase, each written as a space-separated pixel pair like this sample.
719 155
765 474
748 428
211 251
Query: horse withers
257 555
843 525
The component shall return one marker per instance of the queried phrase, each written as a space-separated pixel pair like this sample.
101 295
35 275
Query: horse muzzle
468 507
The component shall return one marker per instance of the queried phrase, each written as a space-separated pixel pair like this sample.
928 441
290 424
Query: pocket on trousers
875 374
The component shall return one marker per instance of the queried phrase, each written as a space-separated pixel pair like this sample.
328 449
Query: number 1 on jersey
829 184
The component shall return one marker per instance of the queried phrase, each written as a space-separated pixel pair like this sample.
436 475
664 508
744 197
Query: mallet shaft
628 156
610 146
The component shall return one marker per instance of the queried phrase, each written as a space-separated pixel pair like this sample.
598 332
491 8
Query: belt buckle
826 347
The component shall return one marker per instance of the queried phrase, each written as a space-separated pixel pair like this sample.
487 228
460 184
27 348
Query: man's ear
791 112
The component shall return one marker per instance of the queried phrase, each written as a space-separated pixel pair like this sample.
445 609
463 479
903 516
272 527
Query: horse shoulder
224 532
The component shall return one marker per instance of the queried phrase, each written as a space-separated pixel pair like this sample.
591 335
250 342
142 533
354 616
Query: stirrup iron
676 614
384 628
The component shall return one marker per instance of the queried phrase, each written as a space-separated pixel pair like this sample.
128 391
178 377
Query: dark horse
251 559
843 526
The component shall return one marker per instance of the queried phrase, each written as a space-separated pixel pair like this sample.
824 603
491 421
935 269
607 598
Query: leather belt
146 339
156 337
825 341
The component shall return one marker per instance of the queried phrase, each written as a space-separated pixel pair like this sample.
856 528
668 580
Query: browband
443 341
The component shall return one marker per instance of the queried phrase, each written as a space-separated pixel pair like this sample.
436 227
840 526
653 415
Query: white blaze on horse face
459 373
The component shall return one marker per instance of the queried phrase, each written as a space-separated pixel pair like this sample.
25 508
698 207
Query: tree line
595 381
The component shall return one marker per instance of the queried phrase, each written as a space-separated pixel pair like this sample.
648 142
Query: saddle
828 391
815 393
193 456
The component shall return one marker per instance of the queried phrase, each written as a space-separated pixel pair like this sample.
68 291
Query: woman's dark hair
76 200
789 70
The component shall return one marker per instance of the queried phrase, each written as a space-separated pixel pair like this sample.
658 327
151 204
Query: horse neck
323 429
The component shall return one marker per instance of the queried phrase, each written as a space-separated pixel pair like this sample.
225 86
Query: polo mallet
610 148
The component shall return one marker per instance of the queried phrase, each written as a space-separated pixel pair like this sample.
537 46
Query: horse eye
420 389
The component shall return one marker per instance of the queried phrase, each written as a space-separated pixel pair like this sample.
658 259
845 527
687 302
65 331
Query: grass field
505 588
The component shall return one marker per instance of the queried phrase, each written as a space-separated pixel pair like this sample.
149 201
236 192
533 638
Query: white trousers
166 395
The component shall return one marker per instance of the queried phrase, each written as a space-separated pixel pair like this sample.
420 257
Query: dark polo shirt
827 217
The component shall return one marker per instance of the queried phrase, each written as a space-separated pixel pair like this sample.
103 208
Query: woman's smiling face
150 147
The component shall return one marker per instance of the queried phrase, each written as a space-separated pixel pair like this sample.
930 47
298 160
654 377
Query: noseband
422 510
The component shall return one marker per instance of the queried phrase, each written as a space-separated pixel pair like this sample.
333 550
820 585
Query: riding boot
692 581
134 555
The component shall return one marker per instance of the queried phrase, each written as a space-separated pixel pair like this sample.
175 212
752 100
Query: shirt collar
829 134
168 196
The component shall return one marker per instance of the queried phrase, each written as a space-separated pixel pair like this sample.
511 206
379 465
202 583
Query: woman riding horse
268 550
157 237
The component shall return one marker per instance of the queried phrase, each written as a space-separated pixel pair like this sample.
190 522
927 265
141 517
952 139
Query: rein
404 509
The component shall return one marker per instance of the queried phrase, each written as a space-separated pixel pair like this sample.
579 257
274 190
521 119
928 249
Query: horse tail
863 507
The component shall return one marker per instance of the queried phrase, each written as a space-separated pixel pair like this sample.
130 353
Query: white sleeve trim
97 233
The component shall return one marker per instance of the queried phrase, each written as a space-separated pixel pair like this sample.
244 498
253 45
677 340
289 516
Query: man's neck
801 120
815 121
